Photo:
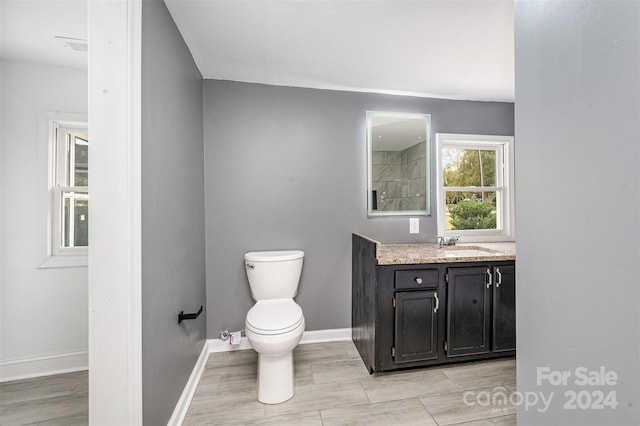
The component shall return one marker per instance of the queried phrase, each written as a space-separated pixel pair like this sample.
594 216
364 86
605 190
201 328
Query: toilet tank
273 274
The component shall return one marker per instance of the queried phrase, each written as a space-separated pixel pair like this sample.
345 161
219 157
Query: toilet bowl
274 328
274 325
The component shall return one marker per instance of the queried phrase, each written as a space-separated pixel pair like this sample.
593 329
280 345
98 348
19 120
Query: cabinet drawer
417 278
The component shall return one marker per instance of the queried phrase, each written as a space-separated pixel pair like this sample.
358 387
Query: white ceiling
28 28
456 49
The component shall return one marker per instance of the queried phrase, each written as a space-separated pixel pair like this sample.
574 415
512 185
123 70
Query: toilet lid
274 316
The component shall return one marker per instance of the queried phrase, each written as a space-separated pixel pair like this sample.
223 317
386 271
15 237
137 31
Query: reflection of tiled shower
399 179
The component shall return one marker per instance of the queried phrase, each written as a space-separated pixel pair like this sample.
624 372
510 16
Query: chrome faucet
447 241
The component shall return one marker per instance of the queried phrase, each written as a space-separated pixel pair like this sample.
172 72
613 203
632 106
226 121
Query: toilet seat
274 316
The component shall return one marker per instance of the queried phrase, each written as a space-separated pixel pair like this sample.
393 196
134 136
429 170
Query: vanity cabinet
412 315
504 309
468 310
480 309
415 316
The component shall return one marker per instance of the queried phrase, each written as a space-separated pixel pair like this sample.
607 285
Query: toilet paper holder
182 316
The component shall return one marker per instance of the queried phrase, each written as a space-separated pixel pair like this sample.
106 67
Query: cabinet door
468 310
504 309
416 315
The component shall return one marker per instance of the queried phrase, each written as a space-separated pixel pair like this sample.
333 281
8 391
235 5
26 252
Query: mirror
398 163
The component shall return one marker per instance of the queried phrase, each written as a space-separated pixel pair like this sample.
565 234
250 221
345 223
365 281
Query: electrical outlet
414 225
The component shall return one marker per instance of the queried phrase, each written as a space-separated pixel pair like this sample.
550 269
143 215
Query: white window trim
48 257
506 180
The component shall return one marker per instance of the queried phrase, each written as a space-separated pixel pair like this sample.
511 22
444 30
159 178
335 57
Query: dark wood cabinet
433 313
416 326
468 310
481 309
481 305
504 309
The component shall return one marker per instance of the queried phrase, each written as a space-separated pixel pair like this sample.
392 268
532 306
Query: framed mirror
398 147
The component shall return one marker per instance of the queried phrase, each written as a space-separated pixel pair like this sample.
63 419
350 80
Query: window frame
504 185
50 153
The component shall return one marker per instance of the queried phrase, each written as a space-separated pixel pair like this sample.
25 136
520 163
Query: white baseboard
313 336
331 335
26 368
181 408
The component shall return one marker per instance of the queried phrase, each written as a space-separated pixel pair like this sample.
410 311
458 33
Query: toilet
274 325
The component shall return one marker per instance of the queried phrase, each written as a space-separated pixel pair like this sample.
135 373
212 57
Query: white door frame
115 306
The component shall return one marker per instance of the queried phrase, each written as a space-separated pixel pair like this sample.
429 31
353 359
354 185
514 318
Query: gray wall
578 155
286 169
173 254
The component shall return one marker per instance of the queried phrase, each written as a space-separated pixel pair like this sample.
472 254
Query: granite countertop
406 254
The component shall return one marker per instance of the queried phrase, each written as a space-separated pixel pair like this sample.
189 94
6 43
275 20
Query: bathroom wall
578 203
286 168
173 252
51 304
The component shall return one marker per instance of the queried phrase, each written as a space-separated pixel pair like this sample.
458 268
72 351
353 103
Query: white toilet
275 324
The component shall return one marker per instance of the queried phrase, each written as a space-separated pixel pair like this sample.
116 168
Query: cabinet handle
418 280
435 295
488 277
499 280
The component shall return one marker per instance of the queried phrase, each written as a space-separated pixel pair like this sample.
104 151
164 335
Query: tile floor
333 387
53 400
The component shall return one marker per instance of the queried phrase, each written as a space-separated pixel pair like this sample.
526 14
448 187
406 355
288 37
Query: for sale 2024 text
595 387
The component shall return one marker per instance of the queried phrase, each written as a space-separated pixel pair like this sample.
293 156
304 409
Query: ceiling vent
75 44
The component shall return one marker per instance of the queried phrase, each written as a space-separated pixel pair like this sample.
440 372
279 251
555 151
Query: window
67 227
70 192
475 187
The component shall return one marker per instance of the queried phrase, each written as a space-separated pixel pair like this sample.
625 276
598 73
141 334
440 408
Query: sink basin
466 253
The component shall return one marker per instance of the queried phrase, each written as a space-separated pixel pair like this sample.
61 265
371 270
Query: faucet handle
447 241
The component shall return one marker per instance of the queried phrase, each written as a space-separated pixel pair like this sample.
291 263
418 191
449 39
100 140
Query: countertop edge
461 259
378 243
424 253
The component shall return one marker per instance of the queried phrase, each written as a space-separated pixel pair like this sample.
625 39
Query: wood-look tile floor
53 400
333 387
